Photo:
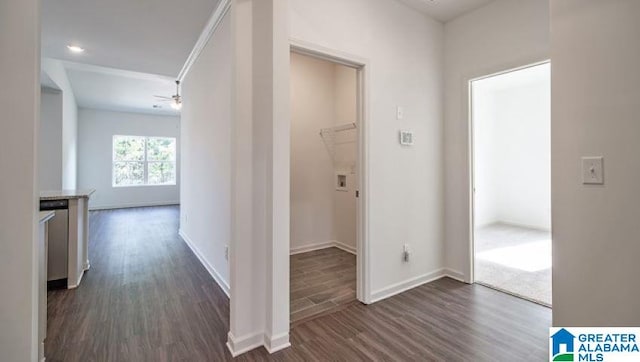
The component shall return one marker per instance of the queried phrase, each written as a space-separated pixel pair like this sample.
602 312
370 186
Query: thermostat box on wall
406 138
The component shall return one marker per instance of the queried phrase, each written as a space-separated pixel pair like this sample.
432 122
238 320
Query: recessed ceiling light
75 49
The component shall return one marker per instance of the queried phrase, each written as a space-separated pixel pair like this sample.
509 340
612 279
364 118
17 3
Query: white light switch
592 171
399 112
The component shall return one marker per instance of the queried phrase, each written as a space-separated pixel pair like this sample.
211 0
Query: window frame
145 161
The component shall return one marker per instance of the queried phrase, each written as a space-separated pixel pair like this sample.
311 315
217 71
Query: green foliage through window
144 161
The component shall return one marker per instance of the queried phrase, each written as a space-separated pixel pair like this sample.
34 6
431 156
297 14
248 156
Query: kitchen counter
68 243
66 194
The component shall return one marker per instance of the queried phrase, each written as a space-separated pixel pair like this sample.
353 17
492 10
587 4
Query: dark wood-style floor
147 298
321 281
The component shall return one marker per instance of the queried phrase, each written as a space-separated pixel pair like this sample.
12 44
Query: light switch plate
592 171
399 112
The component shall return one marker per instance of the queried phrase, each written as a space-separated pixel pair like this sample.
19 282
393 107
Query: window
143 161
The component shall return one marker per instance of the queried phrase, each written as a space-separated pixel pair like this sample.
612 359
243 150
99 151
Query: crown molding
209 29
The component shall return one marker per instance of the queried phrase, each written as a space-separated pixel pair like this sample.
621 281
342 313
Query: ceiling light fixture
176 99
75 49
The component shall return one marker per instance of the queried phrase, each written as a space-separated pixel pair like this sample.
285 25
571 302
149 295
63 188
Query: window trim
145 162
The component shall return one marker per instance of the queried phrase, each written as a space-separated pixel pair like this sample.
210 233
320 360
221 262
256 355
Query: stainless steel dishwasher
57 261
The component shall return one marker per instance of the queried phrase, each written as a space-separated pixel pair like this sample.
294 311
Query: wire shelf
332 140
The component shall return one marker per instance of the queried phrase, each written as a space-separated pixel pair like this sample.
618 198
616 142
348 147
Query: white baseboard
74 286
454 274
345 247
214 273
311 247
276 343
323 245
526 226
238 346
403 286
132 205
484 224
515 224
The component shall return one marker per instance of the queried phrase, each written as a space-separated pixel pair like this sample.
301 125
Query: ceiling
134 49
117 90
445 10
149 36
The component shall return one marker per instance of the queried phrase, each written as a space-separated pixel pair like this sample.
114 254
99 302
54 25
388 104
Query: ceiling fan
176 99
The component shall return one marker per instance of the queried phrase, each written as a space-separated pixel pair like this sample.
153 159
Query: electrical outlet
226 252
406 253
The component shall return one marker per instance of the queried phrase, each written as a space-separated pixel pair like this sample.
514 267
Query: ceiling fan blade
163 97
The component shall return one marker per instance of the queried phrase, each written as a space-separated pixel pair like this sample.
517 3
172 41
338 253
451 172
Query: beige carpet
514 259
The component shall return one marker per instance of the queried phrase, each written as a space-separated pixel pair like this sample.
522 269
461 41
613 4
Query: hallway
147 297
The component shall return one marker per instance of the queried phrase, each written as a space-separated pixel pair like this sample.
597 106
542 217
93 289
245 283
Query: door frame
471 166
361 65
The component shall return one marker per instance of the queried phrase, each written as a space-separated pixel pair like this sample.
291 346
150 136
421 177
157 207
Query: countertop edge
66 194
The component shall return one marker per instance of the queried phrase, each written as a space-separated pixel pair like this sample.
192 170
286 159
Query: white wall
322 96
485 154
271 165
312 108
247 287
205 187
403 50
346 111
20 102
502 35
261 168
404 53
96 129
512 148
595 57
56 72
50 140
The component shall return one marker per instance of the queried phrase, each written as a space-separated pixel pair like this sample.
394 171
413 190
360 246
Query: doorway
325 185
511 183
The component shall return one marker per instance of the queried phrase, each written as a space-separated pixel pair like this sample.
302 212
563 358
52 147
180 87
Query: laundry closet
324 183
